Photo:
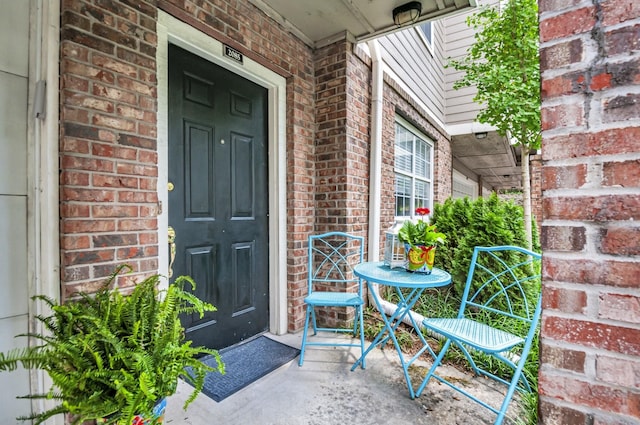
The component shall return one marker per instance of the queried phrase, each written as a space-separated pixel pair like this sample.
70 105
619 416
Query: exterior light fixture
481 135
407 13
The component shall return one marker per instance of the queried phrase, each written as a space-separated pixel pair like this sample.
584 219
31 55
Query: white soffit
315 21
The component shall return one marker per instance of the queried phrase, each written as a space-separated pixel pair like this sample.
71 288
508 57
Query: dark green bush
467 224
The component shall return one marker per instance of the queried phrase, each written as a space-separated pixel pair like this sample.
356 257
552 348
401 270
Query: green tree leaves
482 222
503 64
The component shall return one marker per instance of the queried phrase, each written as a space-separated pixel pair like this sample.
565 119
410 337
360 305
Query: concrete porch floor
325 392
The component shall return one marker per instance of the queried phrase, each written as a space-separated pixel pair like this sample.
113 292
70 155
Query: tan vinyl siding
460 107
417 67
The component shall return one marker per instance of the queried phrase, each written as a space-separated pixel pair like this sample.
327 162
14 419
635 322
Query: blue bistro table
408 286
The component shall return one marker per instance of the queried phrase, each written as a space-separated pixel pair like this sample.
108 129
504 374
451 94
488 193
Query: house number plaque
232 53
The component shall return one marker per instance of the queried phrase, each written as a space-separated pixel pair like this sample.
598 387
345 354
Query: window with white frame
426 31
463 186
413 170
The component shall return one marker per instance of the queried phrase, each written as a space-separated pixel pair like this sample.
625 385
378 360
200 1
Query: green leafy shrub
451 218
482 222
112 355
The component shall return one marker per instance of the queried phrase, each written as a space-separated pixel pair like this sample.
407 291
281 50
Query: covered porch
325 391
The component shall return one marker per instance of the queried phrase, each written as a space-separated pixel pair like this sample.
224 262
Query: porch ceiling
492 158
317 22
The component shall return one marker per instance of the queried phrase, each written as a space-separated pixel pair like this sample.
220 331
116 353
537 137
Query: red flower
423 211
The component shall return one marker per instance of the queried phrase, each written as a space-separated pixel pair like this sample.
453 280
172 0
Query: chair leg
304 335
435 364
313 317
505 404
358 326
356 321
360 318
517 374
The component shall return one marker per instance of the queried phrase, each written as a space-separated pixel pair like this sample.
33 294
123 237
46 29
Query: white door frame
172 30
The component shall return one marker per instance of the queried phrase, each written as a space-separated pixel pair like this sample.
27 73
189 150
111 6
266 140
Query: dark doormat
244 364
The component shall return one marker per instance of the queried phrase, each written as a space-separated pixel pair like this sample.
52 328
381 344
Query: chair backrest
503 283
332 257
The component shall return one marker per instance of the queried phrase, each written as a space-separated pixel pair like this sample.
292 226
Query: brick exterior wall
342 140
341 150
396 101
400 103
590 338
108 138
535 168
108 157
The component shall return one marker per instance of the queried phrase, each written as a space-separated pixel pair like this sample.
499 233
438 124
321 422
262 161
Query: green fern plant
113 355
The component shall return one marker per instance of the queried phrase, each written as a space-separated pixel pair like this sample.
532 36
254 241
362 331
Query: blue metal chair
498 318
332 283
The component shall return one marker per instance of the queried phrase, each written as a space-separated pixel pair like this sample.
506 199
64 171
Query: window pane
403 150
403 207
413 168
422 190
403 196
426 30
423 156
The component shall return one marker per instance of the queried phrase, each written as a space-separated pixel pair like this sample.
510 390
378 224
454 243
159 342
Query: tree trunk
526 194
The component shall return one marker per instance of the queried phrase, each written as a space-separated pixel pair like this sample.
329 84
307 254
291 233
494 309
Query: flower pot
420 258
158 415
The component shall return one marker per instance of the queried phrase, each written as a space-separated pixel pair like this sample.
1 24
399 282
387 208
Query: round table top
378 272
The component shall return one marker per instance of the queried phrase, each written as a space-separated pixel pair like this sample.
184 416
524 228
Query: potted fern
115 357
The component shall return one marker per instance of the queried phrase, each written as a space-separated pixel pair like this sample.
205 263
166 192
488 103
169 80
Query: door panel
200 190
243 300
201 267
219 204
242 182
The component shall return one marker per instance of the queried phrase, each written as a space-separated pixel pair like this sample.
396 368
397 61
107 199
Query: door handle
172 248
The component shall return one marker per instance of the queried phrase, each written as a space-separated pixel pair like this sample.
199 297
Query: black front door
218 196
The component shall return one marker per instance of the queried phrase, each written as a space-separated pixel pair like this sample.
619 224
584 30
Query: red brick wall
108 151
108 157
535 164
341 149
342 140
590 344
358 150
